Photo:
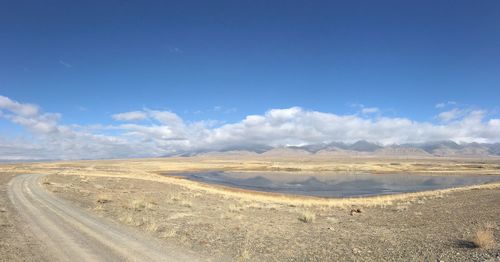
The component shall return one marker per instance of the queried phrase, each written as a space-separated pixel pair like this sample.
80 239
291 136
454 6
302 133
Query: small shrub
150 205
170 233
234 208
307 217
45 181
186 203
138 204
152 226
99 208
175 198
484 238
103 199
127 219
244 255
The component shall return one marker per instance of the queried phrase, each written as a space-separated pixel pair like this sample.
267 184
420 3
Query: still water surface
337 185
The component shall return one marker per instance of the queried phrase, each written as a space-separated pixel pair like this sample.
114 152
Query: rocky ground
439 228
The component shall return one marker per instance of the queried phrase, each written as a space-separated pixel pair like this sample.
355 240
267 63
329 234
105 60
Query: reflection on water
337 185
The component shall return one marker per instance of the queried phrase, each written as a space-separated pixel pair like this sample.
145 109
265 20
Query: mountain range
365 148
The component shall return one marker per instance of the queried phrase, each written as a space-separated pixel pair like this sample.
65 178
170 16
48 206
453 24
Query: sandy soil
432 228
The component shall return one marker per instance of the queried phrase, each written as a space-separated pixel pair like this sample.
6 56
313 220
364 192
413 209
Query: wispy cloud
370 110
65 64
224 110
445 104
81 108
450 115
175 50
130 116
18 108
364 109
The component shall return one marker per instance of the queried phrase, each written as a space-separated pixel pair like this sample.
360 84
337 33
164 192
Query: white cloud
365 110
165 132
130 116
445 104
165 117
18 108
450 115
440 105
370 110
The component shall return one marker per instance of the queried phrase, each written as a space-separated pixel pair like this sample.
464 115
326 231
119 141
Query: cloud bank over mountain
150 133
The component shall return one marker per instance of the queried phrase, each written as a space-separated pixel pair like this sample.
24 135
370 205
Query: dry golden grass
103 198
127 219
45 181
150 205
152 226
186 203
170 233
149 169
244 255
99 208
234 208
138 204
216 217
483 238
307 216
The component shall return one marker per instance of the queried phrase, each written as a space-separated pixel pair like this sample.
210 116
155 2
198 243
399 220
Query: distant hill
229 153
365 148
401 151
286 151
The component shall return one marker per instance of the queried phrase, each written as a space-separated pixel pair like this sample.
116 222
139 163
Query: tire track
73 234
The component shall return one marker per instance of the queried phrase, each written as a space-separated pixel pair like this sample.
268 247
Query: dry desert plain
223 224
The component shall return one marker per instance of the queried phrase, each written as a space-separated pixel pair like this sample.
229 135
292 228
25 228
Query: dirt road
73 234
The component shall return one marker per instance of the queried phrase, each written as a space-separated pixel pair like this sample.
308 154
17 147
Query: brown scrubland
232 224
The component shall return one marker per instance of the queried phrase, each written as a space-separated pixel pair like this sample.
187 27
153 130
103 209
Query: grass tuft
484 238
127 219
186 203
138 204
103 199
234 208
152 226
170 233
45 181
307 217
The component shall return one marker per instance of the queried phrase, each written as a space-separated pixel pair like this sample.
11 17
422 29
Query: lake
335 184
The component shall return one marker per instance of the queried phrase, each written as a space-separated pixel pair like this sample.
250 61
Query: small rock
332 219
355 210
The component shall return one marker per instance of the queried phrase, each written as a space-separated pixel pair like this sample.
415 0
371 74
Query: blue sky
225 60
